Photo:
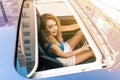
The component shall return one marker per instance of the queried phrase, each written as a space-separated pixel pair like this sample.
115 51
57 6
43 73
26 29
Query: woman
55 47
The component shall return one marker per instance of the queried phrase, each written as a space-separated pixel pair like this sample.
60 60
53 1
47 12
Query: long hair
45 36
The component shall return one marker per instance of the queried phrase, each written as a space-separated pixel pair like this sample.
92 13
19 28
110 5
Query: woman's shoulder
49 45
46 44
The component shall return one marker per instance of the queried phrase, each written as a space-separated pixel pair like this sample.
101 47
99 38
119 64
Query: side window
26 40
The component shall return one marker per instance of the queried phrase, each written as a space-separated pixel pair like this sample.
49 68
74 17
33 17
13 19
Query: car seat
45 61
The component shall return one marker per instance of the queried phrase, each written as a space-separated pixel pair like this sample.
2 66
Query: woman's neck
53 39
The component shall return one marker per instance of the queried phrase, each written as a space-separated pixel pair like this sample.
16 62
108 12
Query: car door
104 29
98 28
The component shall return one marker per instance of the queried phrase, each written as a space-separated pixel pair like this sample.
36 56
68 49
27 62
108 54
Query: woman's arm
55 49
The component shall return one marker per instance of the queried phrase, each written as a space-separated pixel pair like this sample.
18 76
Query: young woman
55 47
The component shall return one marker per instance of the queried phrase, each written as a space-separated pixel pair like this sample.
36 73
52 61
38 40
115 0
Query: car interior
47 62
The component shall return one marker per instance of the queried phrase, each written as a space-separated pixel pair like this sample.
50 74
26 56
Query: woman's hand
85 47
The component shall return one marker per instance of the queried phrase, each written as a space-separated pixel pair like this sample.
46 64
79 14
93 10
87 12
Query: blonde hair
45 36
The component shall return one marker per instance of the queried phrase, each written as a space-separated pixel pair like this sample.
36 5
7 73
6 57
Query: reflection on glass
26 41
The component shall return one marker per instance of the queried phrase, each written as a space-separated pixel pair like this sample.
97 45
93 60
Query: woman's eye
50 26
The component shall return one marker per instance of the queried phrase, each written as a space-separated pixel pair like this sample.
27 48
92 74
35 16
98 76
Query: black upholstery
45 61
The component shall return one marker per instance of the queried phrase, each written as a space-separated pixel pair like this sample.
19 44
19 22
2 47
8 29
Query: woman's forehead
50 21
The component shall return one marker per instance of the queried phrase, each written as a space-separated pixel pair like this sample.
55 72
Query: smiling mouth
55 32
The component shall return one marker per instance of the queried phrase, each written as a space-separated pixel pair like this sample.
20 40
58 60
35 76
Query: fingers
86 47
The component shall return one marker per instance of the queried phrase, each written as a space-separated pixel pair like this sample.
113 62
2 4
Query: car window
26 45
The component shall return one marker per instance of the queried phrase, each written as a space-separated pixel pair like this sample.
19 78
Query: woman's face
51 27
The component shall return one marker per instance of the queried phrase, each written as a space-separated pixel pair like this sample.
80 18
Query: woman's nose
55 27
